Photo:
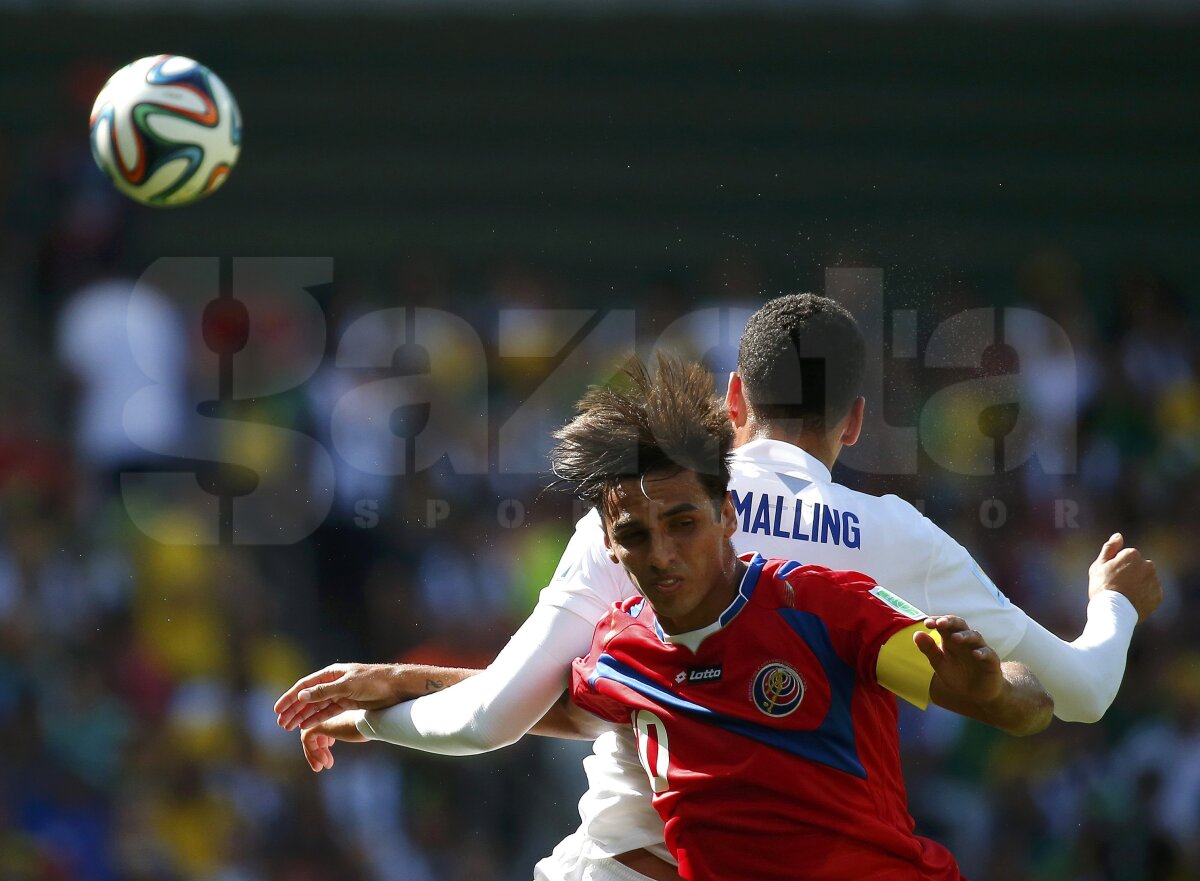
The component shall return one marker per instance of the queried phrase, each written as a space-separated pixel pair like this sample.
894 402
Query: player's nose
662 553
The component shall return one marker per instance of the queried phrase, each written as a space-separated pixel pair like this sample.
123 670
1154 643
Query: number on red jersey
653 748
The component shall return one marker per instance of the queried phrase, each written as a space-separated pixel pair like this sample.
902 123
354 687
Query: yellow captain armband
903 670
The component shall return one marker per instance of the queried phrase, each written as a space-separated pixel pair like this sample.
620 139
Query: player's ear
735 400
612 555
728 516
854 422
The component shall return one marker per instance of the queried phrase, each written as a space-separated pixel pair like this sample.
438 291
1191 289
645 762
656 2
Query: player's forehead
655 496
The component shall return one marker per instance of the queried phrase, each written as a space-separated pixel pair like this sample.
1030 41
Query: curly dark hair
671 421
801 359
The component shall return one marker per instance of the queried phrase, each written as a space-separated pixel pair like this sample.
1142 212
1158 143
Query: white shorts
568 863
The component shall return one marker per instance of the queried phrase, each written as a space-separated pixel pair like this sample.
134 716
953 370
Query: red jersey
771 749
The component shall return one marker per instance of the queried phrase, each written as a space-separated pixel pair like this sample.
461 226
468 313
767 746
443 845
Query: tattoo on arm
434 684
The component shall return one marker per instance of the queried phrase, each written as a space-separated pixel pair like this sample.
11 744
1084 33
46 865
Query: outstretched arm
499 705
495 707
564 720
970 679
331 724
1084 675
338 687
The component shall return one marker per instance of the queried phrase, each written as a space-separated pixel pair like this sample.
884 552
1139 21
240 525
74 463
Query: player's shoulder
631 612
586 553
896 525
590 525
790 584
843 599
889 507
587 537
820 580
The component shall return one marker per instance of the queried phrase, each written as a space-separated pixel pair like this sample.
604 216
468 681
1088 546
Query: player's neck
714 603
815 443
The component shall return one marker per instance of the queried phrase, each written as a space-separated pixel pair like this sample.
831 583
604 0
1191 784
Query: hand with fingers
317 741
970 679
1123 570
963 664
322 695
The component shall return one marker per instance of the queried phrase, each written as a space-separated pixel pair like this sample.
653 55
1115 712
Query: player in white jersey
794 403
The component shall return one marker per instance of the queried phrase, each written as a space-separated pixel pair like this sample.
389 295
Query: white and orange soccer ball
166 130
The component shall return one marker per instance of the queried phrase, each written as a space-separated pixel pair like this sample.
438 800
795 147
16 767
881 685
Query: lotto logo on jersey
777 689
696 675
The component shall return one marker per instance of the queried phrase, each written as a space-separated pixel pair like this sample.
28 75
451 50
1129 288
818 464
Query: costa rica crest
777 689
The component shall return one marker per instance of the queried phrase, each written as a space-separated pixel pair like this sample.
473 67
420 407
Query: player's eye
632 538
684 524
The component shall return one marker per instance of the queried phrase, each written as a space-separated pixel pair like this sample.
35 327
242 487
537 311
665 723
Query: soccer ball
166 130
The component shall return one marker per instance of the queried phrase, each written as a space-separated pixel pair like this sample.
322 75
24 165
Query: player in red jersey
762 692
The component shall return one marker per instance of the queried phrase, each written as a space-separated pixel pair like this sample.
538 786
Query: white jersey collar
780 455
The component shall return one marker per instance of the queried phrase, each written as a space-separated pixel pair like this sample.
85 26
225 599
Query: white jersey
787 506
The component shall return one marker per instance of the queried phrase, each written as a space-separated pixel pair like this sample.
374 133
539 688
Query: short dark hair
802 358
671 421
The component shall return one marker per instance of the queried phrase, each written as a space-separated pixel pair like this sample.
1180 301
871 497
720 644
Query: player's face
674 542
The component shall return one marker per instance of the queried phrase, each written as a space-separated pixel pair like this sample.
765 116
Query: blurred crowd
144 637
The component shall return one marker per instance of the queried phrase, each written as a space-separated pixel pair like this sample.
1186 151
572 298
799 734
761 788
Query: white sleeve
498 706
956 585
1082 676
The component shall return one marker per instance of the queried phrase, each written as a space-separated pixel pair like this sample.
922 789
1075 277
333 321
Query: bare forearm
1021 708
416 680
